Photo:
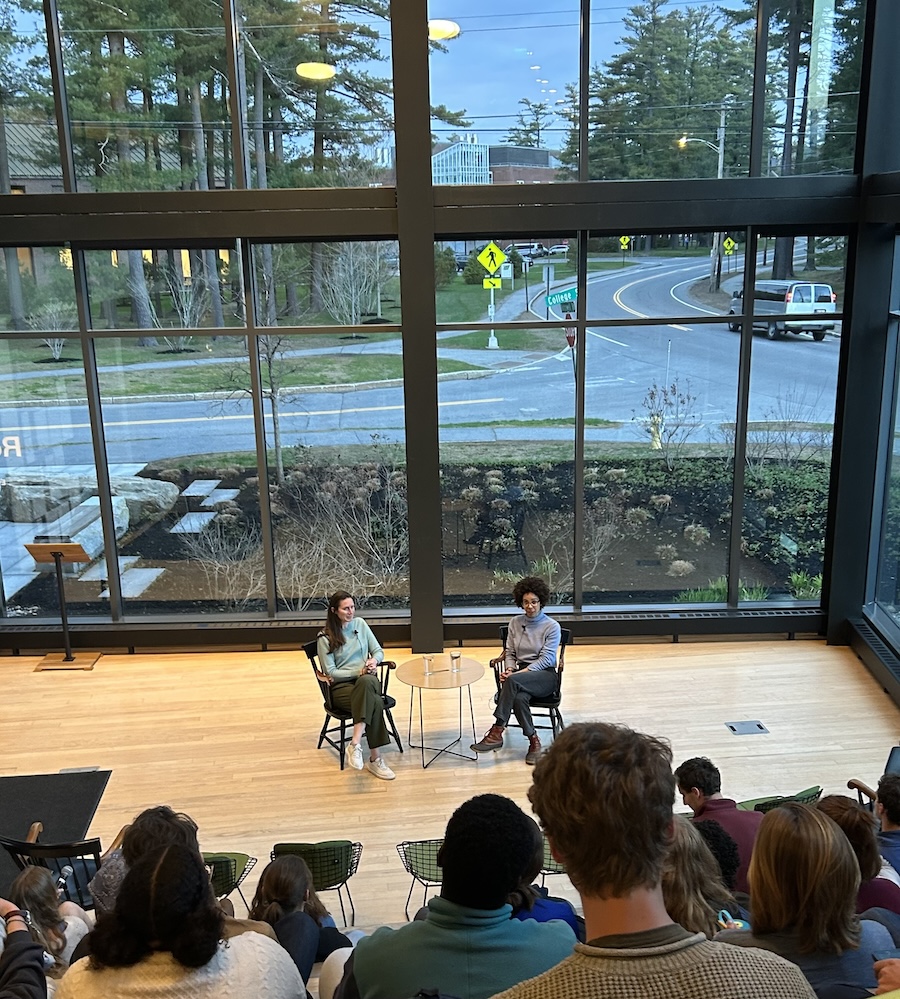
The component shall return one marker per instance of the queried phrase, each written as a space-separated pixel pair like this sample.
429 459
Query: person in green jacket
349 656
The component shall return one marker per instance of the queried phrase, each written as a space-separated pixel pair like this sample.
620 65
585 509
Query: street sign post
563 295
624 243
491 258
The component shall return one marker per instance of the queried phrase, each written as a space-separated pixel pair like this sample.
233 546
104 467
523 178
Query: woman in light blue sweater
349 656
531 649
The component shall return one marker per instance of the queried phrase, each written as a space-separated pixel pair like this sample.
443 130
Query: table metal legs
448 749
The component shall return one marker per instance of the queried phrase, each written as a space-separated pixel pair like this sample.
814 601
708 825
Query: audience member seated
155 828
286 901
859 826
467 946
22 958
804 880
603 794
53 925
165 940
528 901
887 809
723 848
700 787
692 884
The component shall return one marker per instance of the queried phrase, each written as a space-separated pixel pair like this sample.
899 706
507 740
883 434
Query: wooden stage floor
230 738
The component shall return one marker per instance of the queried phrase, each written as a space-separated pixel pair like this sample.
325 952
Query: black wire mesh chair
331 863
420 860
228 871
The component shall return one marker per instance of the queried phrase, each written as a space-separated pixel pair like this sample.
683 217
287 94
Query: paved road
792 378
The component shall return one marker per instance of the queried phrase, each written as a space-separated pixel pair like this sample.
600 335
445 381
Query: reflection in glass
179 430
812 87
319 95
147 94
327 284
510 80
793 386
164 290
49 479
337 460
37 291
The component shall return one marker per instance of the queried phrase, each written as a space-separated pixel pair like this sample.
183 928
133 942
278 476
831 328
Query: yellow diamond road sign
624 241
491 257
729 245
491 282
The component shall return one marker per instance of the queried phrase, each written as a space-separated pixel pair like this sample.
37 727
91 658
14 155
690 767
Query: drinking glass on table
455 655
428 659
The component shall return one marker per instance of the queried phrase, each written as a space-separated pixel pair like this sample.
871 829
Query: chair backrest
331 863
83 857
223 873
311 649
808 796
549 865
420 859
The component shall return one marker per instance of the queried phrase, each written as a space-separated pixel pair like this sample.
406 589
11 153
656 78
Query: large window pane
182 429
319 93
511 78
337 460
37 291
327 284
49 479
812 86
793 384
670 90
659 415
147 95
165 290
29 148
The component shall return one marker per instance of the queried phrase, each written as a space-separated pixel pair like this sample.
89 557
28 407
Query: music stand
59 551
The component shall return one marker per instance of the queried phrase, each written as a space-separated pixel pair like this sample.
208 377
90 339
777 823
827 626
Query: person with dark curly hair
467 945
164 940
530 669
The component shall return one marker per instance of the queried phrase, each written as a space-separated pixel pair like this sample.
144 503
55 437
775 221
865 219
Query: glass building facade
300 297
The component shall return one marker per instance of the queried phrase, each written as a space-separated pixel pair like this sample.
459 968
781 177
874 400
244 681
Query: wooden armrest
389 663
323 677
116 843
498 662
34 832
862 789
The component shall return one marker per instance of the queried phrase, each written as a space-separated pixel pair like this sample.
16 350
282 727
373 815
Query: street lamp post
718 147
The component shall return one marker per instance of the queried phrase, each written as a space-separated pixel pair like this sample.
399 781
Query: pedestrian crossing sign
491 257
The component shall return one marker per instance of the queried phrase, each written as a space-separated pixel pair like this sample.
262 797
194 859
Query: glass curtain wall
248 394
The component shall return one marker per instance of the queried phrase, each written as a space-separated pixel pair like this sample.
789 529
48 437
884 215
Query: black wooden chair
547 707
341 718
74 863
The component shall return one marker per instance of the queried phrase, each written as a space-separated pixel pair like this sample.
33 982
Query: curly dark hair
157 827
531 584
889 797
488 846
723 848
701 773
165 904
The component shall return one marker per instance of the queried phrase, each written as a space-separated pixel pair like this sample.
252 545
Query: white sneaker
355 756
380 769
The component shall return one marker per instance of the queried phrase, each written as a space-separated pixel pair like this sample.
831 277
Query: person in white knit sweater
164 941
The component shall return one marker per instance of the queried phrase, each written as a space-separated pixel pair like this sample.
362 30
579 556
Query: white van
785 298
528 249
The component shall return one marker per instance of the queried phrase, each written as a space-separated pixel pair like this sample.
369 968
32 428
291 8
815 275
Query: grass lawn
542 340
316 369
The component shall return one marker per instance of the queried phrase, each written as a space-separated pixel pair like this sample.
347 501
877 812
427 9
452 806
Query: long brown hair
692 883
334 626
286 886
859 827
804 878
34 889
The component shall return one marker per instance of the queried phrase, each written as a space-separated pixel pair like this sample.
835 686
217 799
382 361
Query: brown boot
534 749
493 740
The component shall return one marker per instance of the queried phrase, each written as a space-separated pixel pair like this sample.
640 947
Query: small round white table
441 677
